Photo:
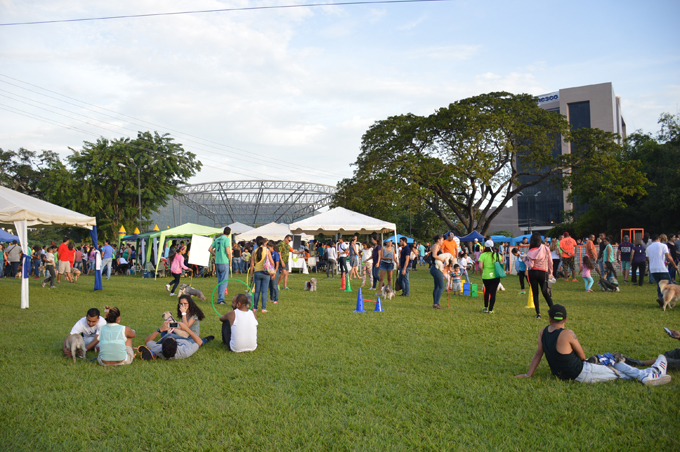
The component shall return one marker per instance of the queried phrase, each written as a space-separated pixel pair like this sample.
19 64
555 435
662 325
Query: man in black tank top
567 360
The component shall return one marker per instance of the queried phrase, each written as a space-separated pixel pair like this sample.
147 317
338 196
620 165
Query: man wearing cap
567 360
566 248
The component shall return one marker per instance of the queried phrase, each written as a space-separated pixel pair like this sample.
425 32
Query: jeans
658 277
375 271
106 263
274 287
36 267
589 282
244 265
342 263
537 280
522 275
226 334
439 284
596 373
236 264
53 275
330 268
15 268
633 273
261 284
222 274
405 284
175 281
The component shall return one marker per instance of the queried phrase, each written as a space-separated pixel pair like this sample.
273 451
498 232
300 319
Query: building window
579 115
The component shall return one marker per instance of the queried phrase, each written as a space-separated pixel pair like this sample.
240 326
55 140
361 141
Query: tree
91 182
465 162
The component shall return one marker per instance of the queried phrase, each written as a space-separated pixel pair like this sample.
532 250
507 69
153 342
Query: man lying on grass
673 356
239 327
171 345
89 327
567 361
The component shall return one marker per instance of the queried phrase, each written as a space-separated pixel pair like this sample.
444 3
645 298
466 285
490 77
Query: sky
288 93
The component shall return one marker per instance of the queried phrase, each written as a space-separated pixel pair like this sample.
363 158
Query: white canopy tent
271 231
342 221
240 228
22 211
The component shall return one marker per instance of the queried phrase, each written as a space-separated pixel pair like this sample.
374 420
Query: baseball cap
557 312
566 234
489 243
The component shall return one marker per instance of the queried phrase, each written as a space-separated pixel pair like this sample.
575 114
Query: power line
223 10
310 171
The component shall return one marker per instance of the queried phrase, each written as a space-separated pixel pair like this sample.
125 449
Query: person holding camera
171 345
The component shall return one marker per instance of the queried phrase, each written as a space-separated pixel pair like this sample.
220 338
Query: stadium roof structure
256 202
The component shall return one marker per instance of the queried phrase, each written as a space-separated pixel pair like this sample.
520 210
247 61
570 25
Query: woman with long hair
638 262
192 314
367 264
540 265
491 280
386 263
260 276
555 256
236 263
176 266
438 276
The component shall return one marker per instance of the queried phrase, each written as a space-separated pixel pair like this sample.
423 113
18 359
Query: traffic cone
378 306
226 290
349 286
360 302
343 286
530 302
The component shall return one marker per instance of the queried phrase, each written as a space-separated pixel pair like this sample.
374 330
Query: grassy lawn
325 378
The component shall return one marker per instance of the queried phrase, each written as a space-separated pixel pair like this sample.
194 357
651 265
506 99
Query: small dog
670 293
311 285
185 289
448 261
74 343
387 292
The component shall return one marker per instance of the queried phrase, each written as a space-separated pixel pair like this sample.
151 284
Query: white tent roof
271 231
341 221
240 228
15 206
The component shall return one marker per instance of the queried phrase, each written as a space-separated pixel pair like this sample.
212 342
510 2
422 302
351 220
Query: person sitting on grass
115 340
567 360
673 356
190 313
171 345
88 327
239 327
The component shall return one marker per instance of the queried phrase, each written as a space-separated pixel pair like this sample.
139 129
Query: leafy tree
25 170
465 162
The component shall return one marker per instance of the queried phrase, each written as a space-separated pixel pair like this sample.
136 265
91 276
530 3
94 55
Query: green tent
185 230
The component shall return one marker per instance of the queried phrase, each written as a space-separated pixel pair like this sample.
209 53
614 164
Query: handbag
268 267
498 270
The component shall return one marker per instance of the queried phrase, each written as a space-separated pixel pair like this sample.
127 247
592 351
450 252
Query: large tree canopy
92 182
465 162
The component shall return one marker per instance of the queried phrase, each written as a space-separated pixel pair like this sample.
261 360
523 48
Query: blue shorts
385 266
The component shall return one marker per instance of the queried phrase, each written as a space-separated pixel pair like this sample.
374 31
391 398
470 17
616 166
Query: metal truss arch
255 202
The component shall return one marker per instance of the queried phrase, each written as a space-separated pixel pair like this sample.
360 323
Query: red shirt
66 254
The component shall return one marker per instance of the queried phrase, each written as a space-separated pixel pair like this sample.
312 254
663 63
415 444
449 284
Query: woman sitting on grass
192 315
239 327
115 340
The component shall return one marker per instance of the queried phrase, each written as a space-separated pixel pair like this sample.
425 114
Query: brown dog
670 293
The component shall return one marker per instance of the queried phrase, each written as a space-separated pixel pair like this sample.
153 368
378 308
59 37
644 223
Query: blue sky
287 94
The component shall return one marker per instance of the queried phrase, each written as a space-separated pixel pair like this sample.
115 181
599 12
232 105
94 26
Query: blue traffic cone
378 306
360 302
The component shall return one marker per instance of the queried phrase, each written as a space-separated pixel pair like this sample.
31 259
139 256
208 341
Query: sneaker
660 301
209 338
436 306
221 302
286 288
172 294
485 310
275 302
661 364
656 379
521 292
574 280
167 287
53 287
538 316
264 310
146 354
490 312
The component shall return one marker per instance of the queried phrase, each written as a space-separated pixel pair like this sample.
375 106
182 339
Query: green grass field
324 378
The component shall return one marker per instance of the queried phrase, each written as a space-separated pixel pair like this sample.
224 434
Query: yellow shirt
259 265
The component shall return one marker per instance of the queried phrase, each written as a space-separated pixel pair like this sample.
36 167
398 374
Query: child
521 268
49 267
455 280
586 268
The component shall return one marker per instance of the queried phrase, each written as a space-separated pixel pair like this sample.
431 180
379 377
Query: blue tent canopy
7 237
502 239
472 236
399 236
519 238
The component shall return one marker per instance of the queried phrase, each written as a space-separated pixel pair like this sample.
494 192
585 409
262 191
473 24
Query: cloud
412 24
450 53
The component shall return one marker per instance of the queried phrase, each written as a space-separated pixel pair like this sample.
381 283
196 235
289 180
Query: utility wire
314 171
223 10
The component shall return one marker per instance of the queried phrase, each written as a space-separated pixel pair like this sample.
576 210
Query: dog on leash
387 292
186 289
74 343
311 285
670 294
448 261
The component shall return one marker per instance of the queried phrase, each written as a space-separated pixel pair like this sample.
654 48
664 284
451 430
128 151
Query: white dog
311 285
387 292
74 343
448 261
